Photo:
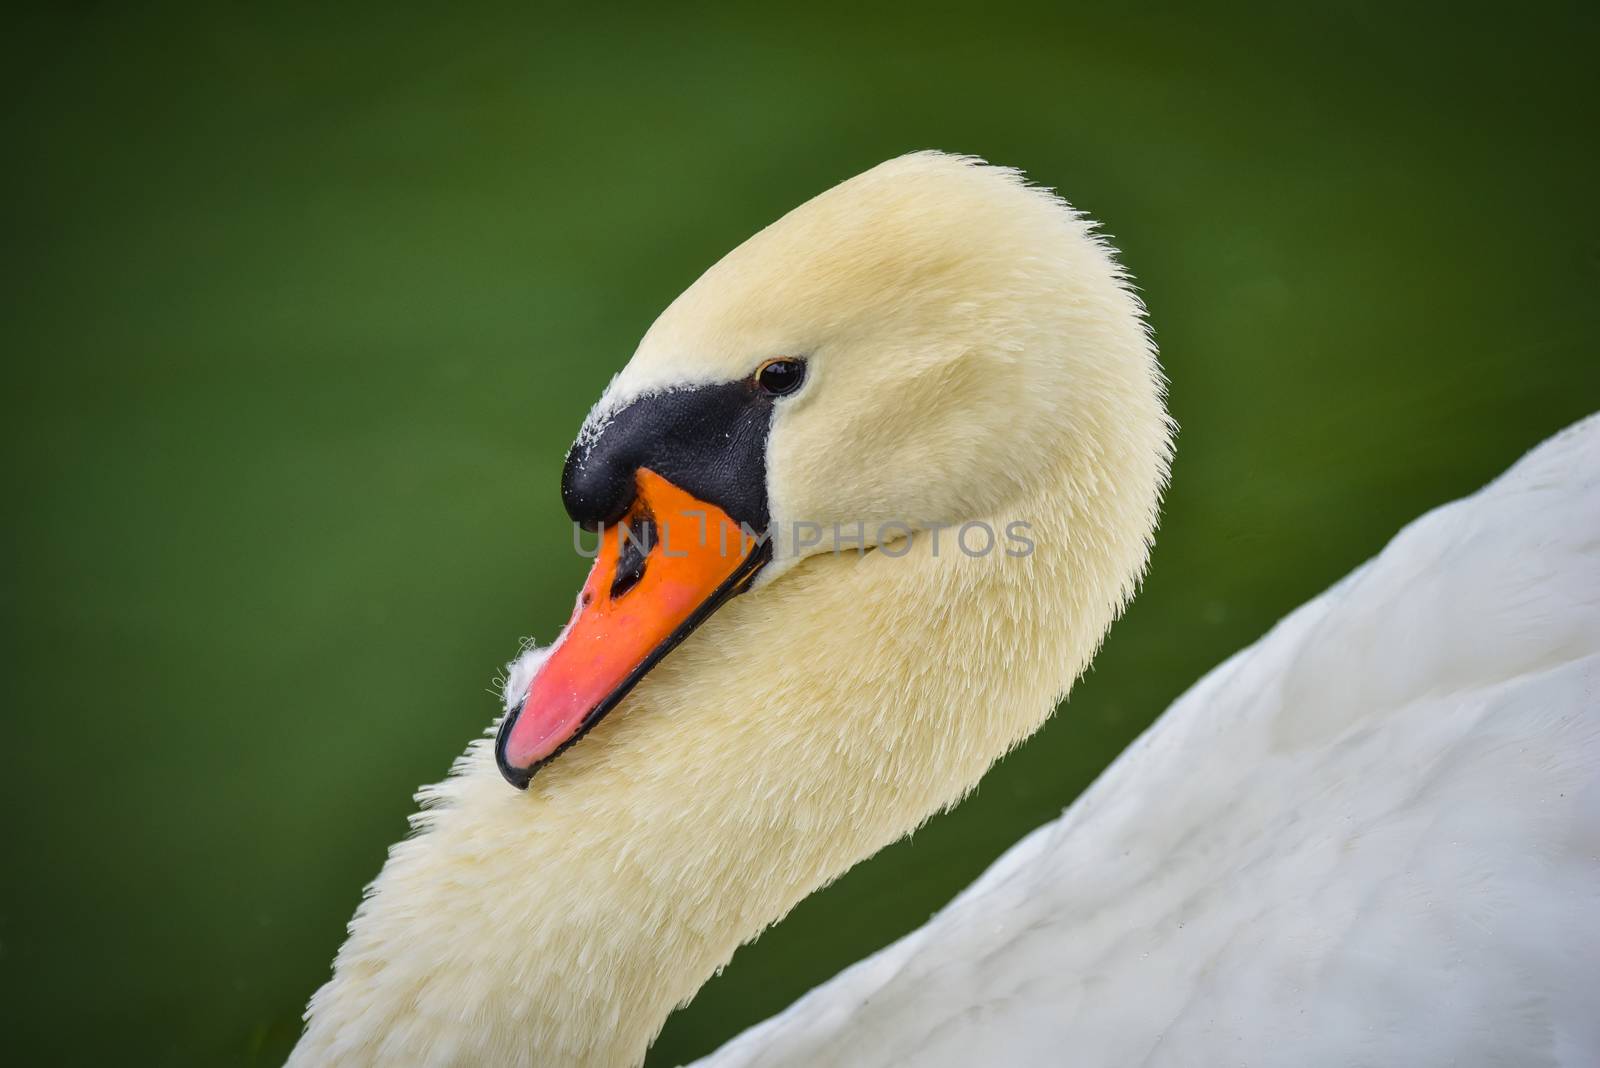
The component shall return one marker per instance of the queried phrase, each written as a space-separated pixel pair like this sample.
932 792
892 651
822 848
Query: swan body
1372 838
972 353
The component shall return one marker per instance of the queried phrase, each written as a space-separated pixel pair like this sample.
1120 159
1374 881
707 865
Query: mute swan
930 343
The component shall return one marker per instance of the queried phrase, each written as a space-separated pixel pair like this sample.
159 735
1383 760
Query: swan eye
781 376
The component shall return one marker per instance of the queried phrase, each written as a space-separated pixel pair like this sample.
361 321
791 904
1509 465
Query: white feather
520 672
1372 838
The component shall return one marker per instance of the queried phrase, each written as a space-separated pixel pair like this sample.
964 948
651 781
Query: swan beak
660 572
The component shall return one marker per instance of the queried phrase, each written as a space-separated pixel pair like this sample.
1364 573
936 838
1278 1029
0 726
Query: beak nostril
638 538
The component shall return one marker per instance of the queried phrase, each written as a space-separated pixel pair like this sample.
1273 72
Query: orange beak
671 562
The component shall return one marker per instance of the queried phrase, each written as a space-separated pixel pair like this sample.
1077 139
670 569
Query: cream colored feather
974 354
1372 838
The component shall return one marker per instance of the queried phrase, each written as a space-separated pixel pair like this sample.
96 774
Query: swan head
931 343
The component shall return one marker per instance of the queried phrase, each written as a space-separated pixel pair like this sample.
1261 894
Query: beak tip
518 777
604 651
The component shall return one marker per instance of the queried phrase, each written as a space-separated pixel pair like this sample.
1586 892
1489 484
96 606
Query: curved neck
803 728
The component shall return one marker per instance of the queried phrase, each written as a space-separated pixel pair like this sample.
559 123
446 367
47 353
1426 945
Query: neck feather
803 728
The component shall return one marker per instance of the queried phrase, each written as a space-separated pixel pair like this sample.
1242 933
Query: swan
777 666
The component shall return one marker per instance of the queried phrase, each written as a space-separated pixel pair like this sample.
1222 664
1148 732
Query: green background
302 308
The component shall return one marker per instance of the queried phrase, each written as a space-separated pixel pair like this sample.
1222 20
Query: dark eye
778 377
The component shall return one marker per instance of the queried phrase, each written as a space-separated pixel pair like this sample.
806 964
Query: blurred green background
303 307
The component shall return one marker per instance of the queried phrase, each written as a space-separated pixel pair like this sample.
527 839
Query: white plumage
1372 838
